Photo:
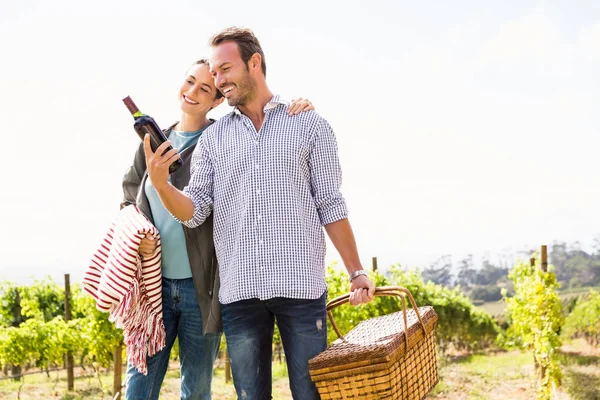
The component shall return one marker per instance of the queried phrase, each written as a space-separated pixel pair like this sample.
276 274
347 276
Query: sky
463 127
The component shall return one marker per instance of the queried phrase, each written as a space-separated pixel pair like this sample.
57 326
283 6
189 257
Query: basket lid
372 341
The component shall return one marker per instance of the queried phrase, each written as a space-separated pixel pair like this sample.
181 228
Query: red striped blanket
129 288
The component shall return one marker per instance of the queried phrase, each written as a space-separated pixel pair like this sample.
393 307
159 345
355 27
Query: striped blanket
129 288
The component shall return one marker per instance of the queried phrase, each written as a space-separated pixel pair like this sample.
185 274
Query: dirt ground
500 375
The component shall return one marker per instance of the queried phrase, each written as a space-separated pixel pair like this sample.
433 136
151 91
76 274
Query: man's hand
362 290
147 246
158 166
174 200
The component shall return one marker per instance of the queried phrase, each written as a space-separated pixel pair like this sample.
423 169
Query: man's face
231 74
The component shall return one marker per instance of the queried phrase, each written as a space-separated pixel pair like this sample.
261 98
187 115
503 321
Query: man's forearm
176 202
342 237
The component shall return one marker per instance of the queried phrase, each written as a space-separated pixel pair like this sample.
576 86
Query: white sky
463 127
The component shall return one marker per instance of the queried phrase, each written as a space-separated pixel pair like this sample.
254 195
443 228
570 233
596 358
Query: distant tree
596 247
439 272
575 247
506 258
558 257
581 270
486 293
487 281
466 273
489 274
575 267
526 254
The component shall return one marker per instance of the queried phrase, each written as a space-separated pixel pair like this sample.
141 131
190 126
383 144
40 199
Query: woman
191 309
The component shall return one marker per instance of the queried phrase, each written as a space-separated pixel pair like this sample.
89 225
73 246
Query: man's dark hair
247 42
204 61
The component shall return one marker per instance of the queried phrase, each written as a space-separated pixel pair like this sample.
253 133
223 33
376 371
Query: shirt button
259 217
257 191
260 241
256 166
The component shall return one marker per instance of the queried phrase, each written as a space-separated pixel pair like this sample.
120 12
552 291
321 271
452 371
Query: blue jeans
248 326
197 353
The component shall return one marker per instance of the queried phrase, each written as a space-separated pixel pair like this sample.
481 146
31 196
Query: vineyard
40 336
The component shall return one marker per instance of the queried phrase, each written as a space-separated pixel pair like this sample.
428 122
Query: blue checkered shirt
271 193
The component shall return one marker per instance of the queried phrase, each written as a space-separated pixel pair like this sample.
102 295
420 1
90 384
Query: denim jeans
197 353
248 326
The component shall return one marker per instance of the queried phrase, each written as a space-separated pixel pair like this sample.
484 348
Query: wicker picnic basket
387 357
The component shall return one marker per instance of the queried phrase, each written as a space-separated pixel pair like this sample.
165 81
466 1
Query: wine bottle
145 124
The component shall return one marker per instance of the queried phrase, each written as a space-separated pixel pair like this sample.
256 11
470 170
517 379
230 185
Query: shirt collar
274 102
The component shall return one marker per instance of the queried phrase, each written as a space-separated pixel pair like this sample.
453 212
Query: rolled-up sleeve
326 175
200 187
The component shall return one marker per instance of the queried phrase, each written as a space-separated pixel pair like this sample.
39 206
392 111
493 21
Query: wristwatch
357 273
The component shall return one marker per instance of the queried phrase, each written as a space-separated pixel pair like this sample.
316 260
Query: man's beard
246 90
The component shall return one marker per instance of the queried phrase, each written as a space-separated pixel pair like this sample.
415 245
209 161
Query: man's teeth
227 90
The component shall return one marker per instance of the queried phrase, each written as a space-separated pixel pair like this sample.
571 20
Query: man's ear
255 61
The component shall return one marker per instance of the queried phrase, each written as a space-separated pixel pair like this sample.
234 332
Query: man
272 181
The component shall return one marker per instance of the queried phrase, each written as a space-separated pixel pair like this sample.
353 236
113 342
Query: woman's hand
298 105
158 166
147 246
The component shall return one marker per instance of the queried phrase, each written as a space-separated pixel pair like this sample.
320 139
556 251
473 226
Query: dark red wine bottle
145 124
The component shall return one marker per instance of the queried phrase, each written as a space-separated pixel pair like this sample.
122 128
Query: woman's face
197 93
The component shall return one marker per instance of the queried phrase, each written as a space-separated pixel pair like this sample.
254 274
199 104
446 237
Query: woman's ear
217 102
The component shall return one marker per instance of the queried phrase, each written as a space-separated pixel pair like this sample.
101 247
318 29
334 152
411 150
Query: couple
267 177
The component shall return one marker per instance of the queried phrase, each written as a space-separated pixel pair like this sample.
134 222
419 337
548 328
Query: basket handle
399 291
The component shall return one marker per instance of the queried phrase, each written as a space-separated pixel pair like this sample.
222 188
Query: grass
486 376
492 375
40 386
510 375
581 370
494 308
570 293
226 391
87 386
